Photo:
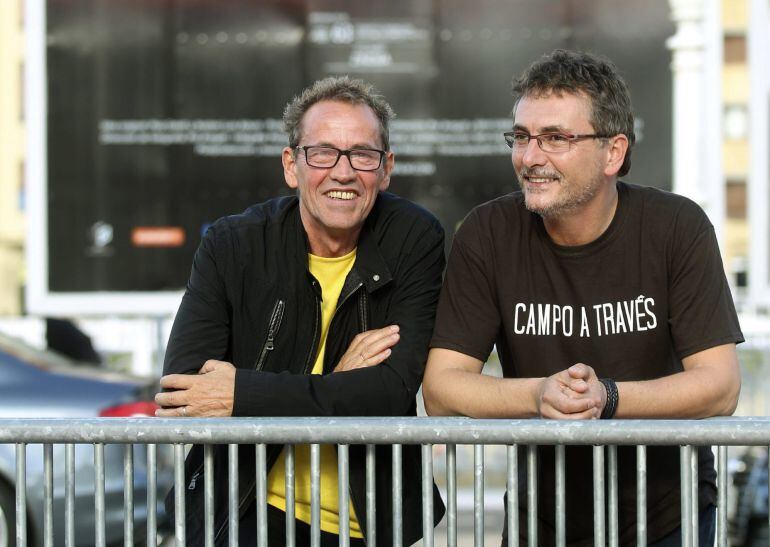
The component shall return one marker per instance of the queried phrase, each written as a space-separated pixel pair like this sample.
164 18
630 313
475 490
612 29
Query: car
41 384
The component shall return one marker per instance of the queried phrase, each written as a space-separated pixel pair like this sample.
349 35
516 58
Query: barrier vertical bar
232 495
478 495
291 525
179 489
128 495
21 495
560 506
512 495
315 495
722 496
342 493
152 493
686 494
261 486
48 495
694 493
371 496
99 523
641 496
532 496
69 495
612 489
451 494
208 495
427 495
398 531
599 524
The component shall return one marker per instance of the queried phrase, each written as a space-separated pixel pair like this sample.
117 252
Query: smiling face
556 184
335 201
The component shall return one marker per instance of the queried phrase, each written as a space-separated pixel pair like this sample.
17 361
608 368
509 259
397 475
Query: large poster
164 115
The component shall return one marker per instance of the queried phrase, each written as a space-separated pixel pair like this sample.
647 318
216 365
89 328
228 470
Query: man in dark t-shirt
604 299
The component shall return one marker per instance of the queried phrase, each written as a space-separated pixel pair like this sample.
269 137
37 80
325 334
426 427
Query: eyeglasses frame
572 138
341 153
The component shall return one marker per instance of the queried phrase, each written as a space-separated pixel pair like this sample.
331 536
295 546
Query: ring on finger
184 411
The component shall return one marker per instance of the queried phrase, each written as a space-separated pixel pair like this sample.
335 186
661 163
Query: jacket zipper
272 330
314 345
278 314
275 323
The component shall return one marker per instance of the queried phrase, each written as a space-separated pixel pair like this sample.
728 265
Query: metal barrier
604 436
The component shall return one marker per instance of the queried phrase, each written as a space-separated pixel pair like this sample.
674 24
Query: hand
369 348
207 394
572 394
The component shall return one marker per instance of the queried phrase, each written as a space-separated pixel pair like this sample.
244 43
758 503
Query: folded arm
454 385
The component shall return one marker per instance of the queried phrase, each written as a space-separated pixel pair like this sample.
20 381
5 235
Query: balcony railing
603 436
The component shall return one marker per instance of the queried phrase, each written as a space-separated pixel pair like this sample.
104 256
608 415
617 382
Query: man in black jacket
320 304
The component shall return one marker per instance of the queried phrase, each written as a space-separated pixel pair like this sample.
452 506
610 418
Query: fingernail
394 328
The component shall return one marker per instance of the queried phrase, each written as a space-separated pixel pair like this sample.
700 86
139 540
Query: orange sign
157 236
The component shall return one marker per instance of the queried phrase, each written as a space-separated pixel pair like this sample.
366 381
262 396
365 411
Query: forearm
460 392
372 391
694 393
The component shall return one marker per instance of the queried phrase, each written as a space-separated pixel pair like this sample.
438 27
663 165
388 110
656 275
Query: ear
289 161
390 161
616 152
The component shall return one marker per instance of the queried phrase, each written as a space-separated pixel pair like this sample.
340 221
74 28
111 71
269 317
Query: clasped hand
572 394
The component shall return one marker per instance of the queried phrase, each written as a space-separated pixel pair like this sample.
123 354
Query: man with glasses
319 304
604 300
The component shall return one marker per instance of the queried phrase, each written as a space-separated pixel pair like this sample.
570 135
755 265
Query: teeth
341 195
537 180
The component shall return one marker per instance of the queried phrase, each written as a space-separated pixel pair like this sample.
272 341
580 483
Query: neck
328 245
586 223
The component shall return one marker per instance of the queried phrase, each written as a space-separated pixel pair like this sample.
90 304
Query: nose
532 154
343 171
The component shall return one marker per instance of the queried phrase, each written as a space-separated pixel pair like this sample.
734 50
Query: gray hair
564 71
340 89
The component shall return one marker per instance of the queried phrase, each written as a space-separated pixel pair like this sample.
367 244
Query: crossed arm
210 393
708 386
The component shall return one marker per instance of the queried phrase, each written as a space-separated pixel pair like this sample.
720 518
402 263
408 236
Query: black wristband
611 405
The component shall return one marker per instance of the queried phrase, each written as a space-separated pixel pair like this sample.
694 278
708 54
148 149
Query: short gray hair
340 89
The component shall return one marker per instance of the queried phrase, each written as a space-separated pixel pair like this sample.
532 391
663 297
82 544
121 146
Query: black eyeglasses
548 142
325 157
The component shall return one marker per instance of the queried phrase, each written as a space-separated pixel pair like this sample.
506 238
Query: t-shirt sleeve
468 315
702 314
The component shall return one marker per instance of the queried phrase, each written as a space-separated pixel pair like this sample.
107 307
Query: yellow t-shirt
331 274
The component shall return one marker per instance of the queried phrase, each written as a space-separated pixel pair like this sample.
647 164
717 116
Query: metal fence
604 436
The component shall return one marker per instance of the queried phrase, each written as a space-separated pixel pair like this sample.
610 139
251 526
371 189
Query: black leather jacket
251 301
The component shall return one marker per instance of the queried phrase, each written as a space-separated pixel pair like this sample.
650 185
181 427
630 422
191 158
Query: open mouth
344 196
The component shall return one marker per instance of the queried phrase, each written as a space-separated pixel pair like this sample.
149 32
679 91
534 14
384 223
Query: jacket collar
370 267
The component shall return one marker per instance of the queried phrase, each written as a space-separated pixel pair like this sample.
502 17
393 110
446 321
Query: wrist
611 398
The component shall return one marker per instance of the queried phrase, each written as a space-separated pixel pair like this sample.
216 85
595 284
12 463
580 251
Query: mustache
539 172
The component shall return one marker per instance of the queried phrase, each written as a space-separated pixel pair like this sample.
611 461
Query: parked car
38 384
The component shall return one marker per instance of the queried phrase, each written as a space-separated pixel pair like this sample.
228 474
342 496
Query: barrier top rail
735 431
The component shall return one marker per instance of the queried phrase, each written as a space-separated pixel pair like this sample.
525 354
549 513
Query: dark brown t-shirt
632 304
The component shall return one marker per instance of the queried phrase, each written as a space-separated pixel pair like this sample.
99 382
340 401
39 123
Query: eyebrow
360 146
546 129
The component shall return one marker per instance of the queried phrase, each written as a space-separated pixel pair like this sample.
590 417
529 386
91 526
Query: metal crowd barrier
604 436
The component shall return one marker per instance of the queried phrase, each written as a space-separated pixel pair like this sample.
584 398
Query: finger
177 381
210 366
380 345
572 405
367 338
169 399
175 412
580 371
578 386
373 360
